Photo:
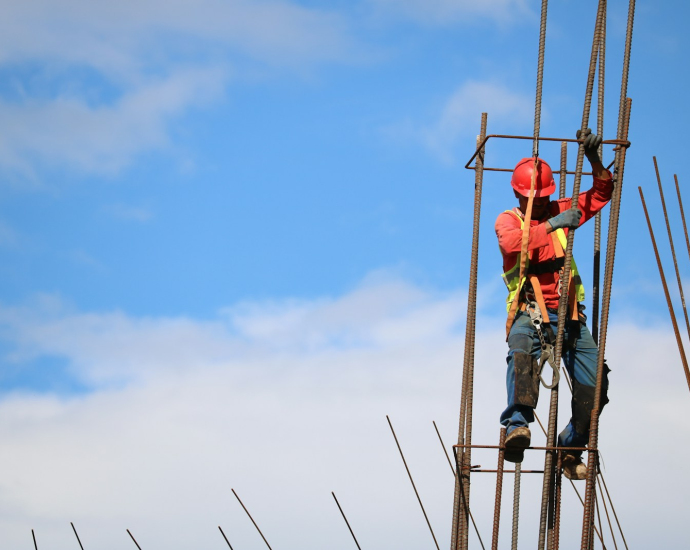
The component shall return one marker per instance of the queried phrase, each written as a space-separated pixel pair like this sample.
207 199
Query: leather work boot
516 443
573 467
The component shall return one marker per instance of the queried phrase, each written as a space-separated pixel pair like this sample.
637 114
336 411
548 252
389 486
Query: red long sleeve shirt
540 245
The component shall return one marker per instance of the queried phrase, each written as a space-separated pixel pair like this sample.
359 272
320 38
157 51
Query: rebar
673 249
682 213
596 507
33 535
76 535
554 542
562 180
613 509
540 78
226 538
592 461
132 537
461 498
251 518
516 506
547 489
412 482
606 510
499 491
346 522
666 293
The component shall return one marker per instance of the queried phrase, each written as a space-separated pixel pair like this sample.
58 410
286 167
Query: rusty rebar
499 491
346 522
546 516
461 498
562 180
412 482
682 213
516 506
554 541
606 510
226 538
613 509
76 535
673 249
540 77
133 539
679 341
251 518
33 535
596 508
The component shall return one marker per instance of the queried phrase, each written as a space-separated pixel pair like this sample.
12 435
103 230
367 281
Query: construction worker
535 304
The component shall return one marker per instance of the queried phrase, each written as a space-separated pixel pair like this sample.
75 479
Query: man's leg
522 383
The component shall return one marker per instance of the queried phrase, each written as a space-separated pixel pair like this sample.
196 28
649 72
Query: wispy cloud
94 84
285 402
445 12
461 113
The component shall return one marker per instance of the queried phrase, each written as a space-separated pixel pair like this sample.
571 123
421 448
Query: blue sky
269 197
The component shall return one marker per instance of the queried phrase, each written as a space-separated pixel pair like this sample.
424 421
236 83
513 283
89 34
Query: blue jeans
580 362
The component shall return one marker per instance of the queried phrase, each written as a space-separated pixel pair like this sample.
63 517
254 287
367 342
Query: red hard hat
522 178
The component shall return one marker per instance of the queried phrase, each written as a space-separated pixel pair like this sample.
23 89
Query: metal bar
673 249
608 518
682 213
520 470
76 535
452 469
251 518
516 506
480 145
226 538
601 530
554 541
549 448
540 77
346 522
681 350
33 535
564 170
592 461
412 481
615 515
499 492
461 498
135 540
546 517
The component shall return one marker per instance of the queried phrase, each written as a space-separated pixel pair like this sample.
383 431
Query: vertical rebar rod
562 180
499 490
596 269
547 488
556 531
668 296
452 469
682 213
596 507
76 535
133 539
516 506
592 458
226 538
412 481
606 510
251 518
461 498
540 78
613 509
33 535
673 249
346 522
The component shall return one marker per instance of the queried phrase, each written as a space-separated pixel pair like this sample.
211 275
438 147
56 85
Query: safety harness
532 301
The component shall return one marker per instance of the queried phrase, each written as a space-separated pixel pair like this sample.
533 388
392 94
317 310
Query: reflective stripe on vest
510 277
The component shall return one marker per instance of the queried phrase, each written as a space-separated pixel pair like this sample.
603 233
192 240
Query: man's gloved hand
591 144
570 218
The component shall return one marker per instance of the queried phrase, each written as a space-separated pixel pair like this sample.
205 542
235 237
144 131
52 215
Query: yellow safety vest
511 276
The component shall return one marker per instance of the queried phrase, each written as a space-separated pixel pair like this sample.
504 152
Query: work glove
569 218
591 144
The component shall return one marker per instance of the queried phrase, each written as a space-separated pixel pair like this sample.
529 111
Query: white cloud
286 402
443 12
461 115
106 78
